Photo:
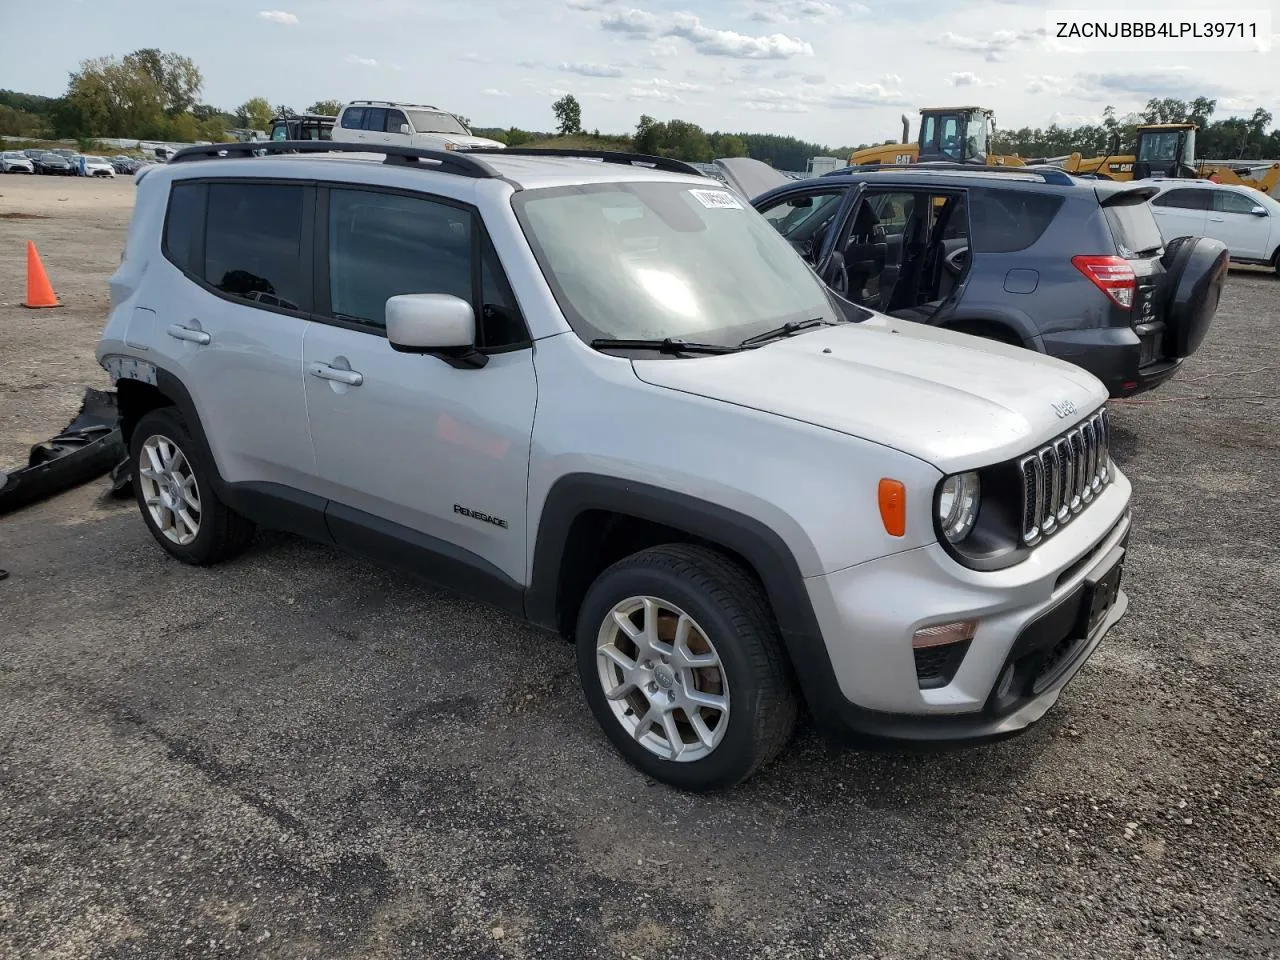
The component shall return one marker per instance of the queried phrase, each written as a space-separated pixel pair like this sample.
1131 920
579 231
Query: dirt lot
301 755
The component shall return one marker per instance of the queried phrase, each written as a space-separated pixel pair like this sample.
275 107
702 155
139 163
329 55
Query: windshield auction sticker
1154 31
716 199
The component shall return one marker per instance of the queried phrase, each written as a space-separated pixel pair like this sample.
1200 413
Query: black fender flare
762 548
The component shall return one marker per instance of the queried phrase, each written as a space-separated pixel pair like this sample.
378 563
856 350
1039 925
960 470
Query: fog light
944 633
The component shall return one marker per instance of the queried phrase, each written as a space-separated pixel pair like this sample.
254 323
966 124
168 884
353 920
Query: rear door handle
179 332
325 372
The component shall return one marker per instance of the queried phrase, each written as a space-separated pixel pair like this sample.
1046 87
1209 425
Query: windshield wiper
786 330
665 345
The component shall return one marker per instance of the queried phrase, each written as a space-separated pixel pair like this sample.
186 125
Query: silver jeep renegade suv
606 396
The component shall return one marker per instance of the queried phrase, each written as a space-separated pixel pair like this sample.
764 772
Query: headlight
958 505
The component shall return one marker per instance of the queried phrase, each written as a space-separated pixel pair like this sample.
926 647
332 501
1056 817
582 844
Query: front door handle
179 332
325 372
1217 219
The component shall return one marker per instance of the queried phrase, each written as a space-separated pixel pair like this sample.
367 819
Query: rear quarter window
1003 221
1134 229
184 227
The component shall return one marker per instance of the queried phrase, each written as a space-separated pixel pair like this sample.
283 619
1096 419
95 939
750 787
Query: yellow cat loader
1169 150
947 134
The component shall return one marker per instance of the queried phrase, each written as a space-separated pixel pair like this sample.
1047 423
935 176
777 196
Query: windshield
429 121
652 260
12 155
1159 146
94 160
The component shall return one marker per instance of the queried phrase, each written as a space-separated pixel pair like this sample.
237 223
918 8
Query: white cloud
589 4
637 22
591 69
666 91
361 61
491 92
1179 82
706 40
855 95
279 16
967 78
771 106
994 47
800 11
729 43
473 57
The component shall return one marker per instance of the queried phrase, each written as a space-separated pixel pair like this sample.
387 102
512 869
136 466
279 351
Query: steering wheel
956 261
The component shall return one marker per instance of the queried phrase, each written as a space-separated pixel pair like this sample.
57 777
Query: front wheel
682 665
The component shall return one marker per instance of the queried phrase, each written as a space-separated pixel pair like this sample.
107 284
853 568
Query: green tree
728 145
176 76
254 114
516 137
648 136
280 110
111 98
568 113
328 108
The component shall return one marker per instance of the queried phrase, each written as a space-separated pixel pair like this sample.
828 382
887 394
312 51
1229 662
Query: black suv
1030 256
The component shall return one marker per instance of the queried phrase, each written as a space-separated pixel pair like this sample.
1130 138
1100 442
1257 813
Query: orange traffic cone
39 290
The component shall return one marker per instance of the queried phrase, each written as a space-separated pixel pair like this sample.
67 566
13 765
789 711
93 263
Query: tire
219 533
730 620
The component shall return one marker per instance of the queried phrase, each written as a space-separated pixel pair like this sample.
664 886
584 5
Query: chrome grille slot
1063 477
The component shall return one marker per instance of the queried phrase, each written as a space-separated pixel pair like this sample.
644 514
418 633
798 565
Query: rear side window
184 228
1003 221
1134 229
1185 199
353 118
253 242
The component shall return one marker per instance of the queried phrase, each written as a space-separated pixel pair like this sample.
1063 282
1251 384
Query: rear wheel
989 331
682 665
174 489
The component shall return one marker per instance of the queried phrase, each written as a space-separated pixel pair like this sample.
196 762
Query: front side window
253 242
800 217
383 245
434 121
395 119
950 137
1225 201
651 260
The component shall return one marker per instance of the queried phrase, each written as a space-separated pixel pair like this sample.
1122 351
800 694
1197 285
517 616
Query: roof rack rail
669 164
449 161
1050 173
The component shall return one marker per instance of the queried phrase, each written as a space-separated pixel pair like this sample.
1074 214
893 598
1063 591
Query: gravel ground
300 755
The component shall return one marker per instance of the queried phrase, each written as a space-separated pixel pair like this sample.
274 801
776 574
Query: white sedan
98 167
1244 219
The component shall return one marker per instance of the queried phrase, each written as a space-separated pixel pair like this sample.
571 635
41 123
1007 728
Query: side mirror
434 323
1113 145
1259 210
404 128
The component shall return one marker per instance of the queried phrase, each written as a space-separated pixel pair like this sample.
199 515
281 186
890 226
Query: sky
836 72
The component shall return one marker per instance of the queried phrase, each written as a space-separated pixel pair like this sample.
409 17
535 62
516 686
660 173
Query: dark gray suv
1062 265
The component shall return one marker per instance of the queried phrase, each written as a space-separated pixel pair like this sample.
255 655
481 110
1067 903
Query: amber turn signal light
893 507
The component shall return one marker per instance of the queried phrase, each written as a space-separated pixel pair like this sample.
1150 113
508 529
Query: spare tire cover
1197 273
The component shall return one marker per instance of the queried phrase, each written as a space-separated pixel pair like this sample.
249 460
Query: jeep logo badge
1064 409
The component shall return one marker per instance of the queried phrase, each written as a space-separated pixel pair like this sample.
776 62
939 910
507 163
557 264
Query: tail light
1114 276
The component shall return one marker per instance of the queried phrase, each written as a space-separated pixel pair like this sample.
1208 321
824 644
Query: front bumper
1030 642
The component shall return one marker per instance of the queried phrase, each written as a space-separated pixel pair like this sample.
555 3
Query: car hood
952 400
461 141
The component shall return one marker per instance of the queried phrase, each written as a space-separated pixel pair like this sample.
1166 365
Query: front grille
1063 477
